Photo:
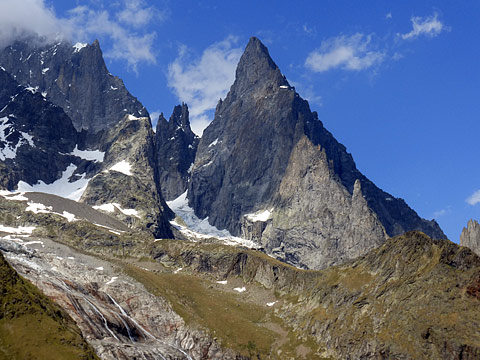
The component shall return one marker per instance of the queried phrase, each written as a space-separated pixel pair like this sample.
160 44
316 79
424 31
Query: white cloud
346 52
202 82
442 212
388 16
137 14
474 198
122 24
429 26
133 46
27 17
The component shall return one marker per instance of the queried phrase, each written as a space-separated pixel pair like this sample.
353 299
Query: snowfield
199 228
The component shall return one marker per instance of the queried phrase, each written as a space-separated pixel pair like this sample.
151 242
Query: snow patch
100 268
178 270
123 166
271 303
38 208
61 187
213 143
131 117
113 88
223 282
92 155
112 280
240 290
198 228
16 196
261 215
44 71
79 46
9 151
111 208
17 230
283 87
190 168
33 90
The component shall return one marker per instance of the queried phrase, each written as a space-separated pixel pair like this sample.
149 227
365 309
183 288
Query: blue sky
398 83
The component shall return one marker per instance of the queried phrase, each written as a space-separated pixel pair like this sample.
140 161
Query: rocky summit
470 236
252 177
175 149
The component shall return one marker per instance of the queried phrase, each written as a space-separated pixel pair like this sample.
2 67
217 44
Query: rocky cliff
175 149
470 236
75 78
84 128
37 138
249 157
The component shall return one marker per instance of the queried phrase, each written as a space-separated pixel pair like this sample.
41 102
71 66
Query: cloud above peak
428 26
122 26
352 53
201 82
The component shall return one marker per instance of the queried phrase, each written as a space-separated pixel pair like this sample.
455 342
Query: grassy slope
32 326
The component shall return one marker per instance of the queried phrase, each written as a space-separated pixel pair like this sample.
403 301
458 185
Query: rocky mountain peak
175 150
74 77
251 159
257 69
470 236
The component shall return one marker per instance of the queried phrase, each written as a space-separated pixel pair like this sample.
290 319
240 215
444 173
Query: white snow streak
111 208
92 155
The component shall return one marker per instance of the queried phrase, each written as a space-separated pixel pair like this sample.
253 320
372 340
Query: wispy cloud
388 16
474 199
202 82
352 53
442 212
428 26
122 23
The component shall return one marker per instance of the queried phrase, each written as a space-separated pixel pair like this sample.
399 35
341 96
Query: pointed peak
256 68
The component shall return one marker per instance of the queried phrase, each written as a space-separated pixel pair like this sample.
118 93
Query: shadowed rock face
74 78
470 236
175 149
244 157
36 137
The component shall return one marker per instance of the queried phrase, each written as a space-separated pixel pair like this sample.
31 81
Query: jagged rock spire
175 149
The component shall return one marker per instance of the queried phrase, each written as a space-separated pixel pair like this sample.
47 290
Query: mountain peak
256 67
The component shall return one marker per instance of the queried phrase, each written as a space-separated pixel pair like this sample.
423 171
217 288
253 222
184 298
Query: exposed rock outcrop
470 236
74 78
175 149
246 159
128 178
32 325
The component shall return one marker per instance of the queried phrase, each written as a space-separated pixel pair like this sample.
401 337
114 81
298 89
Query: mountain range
334 260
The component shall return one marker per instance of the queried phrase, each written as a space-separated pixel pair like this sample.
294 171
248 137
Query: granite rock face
175 149
74 78
470 236
128 178
249 162
36 137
